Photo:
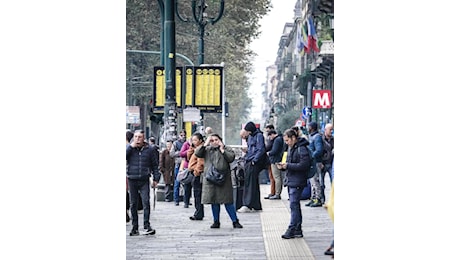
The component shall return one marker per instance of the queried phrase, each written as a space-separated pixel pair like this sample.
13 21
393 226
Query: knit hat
250 127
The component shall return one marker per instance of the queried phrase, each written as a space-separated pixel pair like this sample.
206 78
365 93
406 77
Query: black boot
216 224
237 224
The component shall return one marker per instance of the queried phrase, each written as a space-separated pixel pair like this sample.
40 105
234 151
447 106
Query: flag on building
312 38
301 39
300 43
304 37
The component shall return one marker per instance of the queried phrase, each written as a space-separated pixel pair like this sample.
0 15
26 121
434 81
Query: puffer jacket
316 146
141 163
298 164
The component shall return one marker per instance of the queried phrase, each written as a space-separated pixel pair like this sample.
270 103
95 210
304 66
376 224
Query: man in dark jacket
255 162
268 146
275 155
141 162
296 178
316 147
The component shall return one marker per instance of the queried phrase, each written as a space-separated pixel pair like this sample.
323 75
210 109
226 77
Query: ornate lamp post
201 18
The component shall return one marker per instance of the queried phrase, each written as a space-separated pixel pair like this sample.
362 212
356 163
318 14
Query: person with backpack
296 166
316 147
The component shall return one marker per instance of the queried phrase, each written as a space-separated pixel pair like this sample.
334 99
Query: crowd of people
284 155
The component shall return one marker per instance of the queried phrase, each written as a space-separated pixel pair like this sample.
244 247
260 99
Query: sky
266 47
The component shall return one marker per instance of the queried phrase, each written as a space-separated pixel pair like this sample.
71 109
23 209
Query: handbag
215 177
185 176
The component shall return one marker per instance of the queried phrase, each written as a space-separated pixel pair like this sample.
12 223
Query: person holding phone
220 156
296 162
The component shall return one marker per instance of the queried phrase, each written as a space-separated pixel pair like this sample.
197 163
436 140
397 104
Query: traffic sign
306 112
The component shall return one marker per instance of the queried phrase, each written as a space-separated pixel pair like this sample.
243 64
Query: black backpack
312 169
327 150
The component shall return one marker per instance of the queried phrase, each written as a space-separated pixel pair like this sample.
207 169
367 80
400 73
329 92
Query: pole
162 13
170 107
223 102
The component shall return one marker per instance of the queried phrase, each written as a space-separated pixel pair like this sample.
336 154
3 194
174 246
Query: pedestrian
167 170
175 153
254 164
275 154
295 180
244 142
220 156
208 131
142 164
268 146
328 156
330 209
196 166
187 187
316 147
129 136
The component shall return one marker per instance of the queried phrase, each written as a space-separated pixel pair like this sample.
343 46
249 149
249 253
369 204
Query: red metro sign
322 99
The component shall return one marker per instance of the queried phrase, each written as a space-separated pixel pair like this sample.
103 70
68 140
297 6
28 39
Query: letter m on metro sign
322 99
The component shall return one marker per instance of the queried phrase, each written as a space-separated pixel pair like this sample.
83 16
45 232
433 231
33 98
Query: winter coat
167 167
298 163
213 194
183 153
141 162
316 146
256 147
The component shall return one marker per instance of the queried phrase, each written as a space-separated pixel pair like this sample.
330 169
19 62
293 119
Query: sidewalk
260 238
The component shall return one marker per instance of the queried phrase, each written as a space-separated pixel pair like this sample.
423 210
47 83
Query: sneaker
195 218
275 197
237 224
289 234
308 203
134 232
216 224
298 233
185 205
177 203
149 230
329 251
316 203
268 196
244 209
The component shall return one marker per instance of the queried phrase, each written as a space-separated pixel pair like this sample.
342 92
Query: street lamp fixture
201 19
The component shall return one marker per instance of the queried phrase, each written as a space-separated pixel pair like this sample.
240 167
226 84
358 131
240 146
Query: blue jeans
142 187
230 207
294 203
176 184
